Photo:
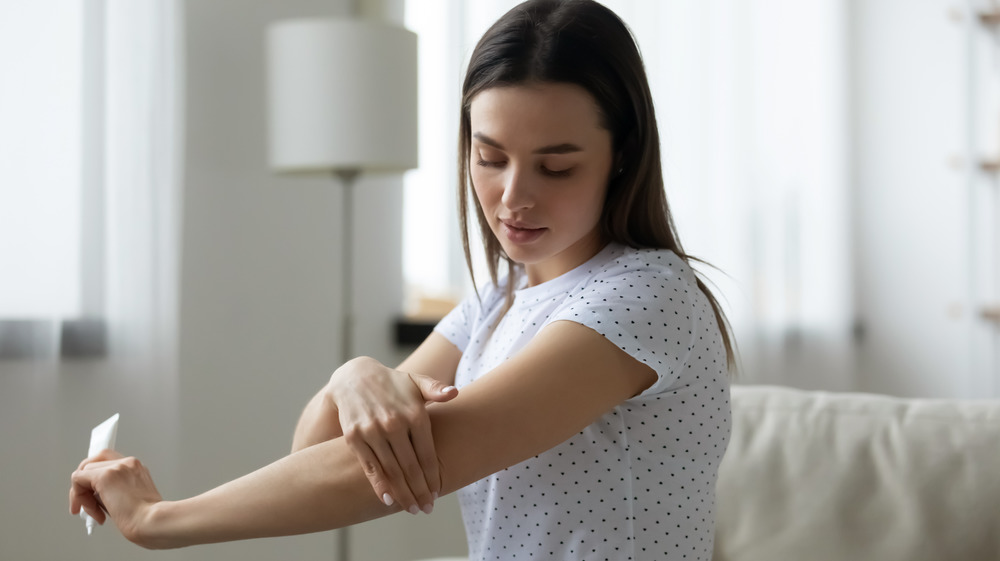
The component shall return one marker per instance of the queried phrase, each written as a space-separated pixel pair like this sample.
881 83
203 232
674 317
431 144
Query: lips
521 232
518 224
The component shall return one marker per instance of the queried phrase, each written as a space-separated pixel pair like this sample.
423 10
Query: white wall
46 413
913 243
258 329
260 289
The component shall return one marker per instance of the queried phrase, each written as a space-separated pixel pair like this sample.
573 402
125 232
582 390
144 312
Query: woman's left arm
318 488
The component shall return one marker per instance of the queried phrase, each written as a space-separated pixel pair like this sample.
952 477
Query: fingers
423 445
392 468
369 462
371 465
83 497
433 390
408 475
388 477
102 456
81 493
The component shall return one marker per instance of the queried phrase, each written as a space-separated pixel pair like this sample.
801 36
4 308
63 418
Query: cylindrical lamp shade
343 96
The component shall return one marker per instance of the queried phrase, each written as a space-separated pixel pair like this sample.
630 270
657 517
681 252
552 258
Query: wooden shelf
990 166
410 332
991 313
990 18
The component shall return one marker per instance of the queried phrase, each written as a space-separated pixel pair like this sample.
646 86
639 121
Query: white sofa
834 477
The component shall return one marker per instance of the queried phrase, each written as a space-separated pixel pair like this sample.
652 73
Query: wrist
358 362
343 374
159 528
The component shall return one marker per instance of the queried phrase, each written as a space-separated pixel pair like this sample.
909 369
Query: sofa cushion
837 476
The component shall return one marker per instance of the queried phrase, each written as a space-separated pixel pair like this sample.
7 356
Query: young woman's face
540 163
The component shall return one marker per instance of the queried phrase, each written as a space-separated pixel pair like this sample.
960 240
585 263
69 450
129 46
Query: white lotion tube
102 437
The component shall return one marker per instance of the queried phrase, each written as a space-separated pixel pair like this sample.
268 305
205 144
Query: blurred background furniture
837 476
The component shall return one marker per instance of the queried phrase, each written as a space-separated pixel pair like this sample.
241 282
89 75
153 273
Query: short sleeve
650 310
462 321
457 325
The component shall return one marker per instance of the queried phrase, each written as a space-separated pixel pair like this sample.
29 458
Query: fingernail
387 499
435 495
413 509
448 389
428 508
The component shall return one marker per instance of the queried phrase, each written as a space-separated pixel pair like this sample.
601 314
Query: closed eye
544 170
556 173
490 164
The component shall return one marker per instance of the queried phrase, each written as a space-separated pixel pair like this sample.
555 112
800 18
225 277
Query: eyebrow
564 148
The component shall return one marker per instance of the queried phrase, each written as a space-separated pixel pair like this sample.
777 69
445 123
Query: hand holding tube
116 485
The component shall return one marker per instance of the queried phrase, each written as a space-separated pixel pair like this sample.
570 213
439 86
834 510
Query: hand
384 419
120 486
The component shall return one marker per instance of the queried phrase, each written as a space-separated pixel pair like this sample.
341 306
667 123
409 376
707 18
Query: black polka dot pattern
640 482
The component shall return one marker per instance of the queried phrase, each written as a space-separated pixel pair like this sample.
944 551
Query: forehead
540 112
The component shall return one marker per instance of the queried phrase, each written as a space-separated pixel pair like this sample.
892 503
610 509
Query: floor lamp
342 101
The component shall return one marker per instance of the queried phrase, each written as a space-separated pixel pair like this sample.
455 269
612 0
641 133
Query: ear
618 166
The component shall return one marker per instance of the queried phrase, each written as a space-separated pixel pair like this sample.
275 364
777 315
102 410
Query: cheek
588 203
481 186
482 193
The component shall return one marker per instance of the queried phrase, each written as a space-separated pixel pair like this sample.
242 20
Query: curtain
108 219
752 101
142 176
125 360
752 106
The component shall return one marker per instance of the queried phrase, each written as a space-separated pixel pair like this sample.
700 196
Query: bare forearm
323 487
319 488
318 423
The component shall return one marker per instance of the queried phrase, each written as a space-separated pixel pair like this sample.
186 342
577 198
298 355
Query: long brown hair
584 43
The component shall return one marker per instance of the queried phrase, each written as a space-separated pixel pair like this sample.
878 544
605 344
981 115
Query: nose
517 190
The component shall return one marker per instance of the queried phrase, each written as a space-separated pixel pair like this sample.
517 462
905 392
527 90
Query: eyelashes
544 170
489 164
557 173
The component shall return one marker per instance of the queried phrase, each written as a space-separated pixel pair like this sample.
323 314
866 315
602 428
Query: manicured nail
435 495
428 508
413 509
387 499
448 389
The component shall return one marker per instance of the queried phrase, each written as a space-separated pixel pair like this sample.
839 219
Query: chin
520 255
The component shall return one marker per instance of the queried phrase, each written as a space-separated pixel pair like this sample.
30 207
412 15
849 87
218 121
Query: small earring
621 171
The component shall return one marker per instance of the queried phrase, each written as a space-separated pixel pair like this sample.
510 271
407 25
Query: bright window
434 264
40 158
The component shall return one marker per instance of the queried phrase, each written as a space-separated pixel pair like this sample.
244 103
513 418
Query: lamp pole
347 177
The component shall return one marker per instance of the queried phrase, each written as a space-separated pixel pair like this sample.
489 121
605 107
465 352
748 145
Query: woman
592 405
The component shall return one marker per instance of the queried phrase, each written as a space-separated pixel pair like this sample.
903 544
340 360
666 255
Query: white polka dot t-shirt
639 483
